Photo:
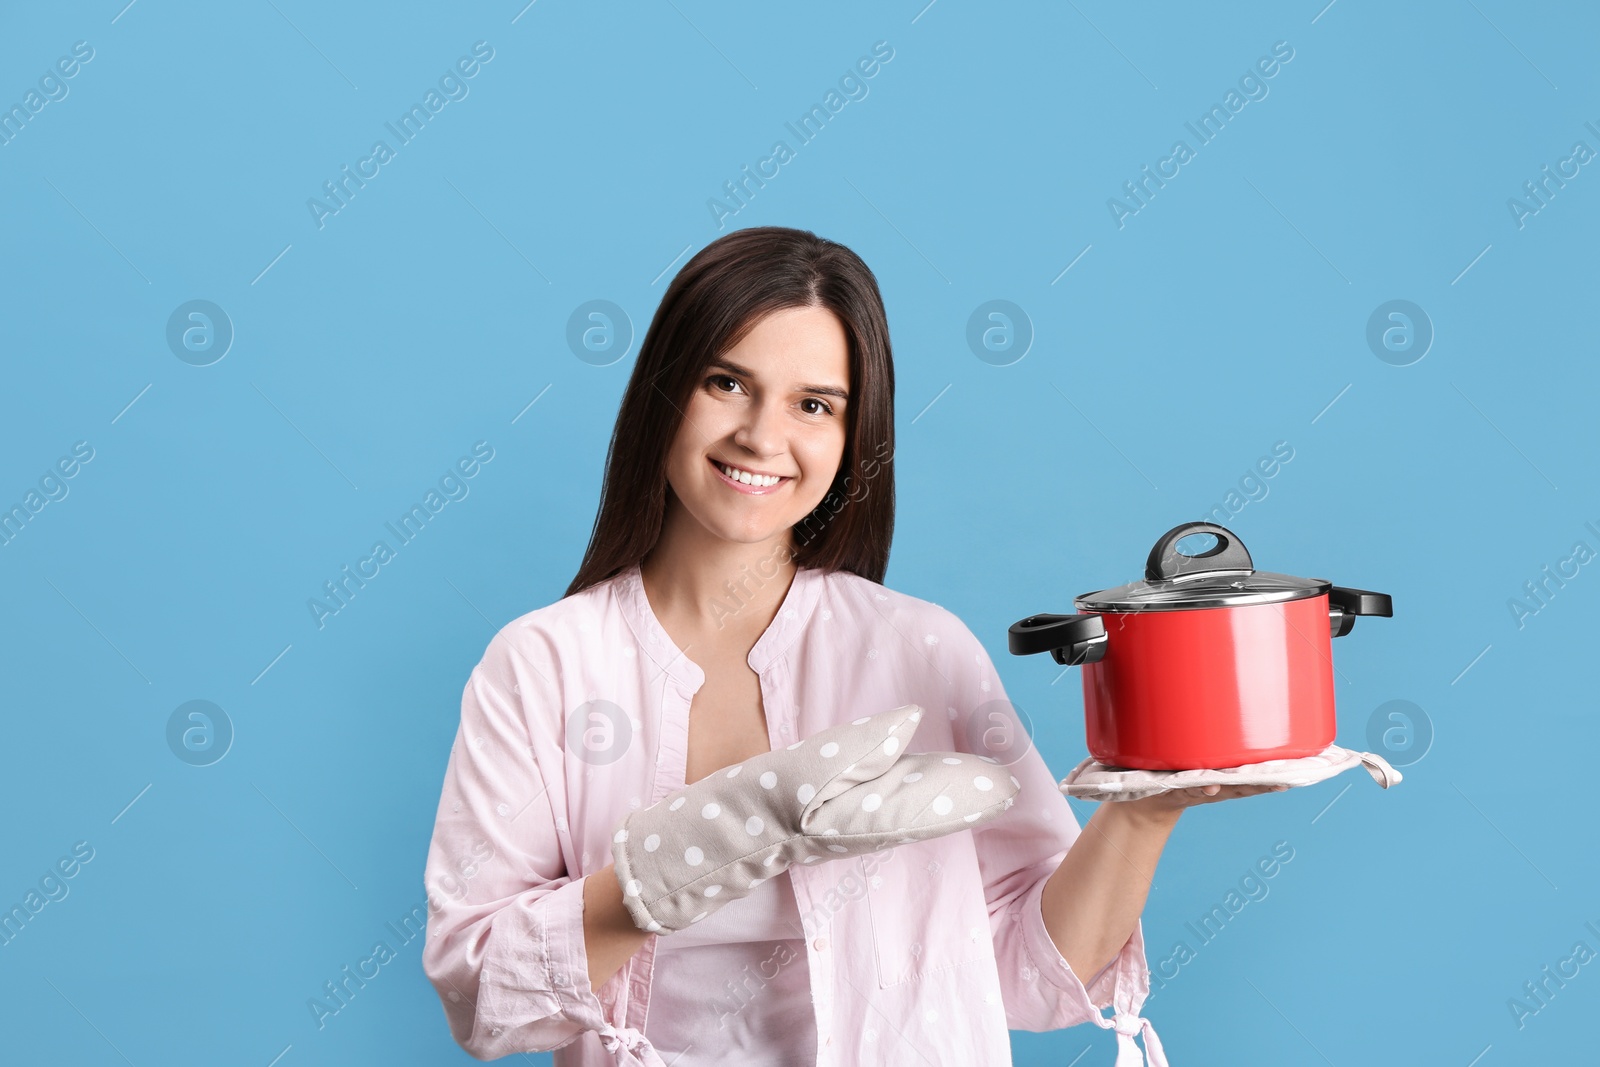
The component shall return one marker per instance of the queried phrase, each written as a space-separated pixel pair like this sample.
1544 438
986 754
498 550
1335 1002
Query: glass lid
1222 575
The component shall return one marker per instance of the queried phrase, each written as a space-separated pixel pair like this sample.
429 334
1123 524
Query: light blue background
370 354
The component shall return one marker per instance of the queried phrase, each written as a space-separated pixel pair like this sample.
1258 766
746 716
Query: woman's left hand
1171 804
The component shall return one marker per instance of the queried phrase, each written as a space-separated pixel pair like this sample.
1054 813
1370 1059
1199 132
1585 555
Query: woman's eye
715 381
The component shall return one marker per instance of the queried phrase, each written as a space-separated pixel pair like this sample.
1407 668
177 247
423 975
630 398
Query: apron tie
1127 1024
629 1046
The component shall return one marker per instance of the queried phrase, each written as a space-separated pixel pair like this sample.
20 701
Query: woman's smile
757 485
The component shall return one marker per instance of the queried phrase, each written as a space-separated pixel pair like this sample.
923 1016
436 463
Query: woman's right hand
847 790
609 935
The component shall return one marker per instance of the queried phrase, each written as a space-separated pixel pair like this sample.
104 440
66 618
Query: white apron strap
630 1047
1127 1025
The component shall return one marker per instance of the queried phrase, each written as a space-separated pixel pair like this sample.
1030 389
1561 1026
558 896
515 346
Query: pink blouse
736 974
924 953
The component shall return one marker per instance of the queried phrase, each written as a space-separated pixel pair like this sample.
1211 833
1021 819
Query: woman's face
774 404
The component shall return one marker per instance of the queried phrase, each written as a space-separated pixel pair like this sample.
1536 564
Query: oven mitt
845 791
1090 780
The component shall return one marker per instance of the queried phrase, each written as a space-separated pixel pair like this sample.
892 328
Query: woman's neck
707 584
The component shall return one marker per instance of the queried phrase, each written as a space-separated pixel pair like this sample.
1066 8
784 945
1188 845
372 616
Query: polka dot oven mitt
845 791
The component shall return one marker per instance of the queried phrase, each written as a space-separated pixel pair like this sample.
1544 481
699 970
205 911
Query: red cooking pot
1206 663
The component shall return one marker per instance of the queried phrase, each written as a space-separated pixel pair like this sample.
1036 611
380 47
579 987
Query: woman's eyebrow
826 390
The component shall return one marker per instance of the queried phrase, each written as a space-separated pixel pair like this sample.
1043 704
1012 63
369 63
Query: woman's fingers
1215 791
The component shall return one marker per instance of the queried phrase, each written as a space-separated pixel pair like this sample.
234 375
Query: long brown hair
716 298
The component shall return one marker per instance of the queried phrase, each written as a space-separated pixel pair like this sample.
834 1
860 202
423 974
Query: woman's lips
749 490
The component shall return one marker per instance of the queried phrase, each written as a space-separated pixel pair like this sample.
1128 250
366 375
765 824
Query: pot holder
848 790
1091 780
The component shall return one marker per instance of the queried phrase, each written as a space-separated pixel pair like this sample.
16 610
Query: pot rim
1122 599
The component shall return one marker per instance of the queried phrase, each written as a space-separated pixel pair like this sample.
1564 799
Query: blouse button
820 944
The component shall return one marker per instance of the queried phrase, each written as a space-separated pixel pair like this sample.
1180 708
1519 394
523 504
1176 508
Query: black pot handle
1344 604
1361 601
1070 639
1228 554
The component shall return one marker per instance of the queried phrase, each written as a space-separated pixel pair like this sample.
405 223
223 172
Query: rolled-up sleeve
504 946
1017 854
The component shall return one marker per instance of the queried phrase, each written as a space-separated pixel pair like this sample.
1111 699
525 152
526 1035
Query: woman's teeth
746 477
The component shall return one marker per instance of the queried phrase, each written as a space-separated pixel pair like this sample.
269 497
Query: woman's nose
761 431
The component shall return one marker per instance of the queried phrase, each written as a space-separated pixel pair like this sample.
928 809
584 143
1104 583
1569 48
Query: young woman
729 605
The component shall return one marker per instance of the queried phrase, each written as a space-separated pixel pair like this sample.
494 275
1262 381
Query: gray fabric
1090 780
844 791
